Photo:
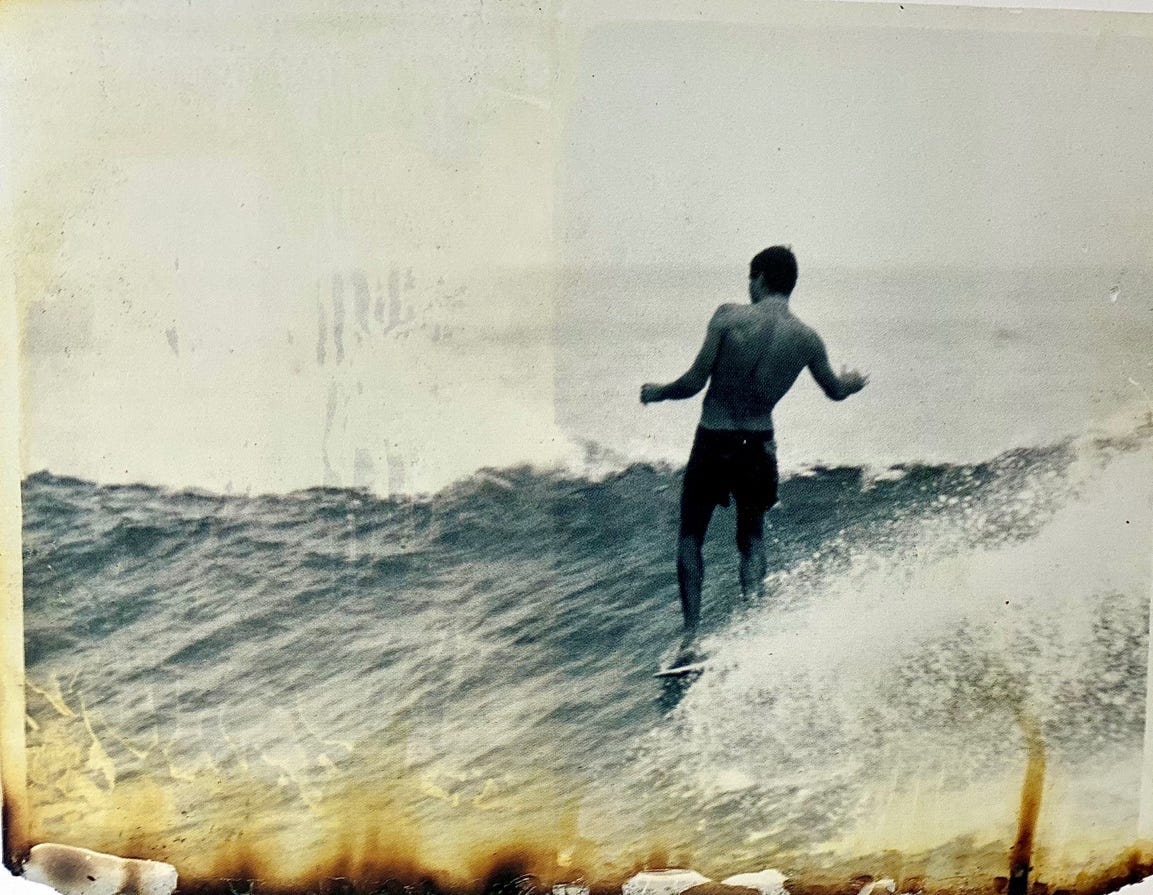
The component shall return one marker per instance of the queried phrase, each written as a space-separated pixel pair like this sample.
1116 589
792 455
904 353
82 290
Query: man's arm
836 387
698 374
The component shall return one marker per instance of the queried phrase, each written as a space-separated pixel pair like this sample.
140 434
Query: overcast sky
279 244
861 145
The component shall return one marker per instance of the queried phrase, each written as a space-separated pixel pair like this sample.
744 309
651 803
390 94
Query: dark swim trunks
724 463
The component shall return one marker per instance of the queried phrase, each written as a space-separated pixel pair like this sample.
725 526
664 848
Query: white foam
1145 887
663 882
767 882
833 687
17 885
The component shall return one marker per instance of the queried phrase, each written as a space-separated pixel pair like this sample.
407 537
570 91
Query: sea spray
864 706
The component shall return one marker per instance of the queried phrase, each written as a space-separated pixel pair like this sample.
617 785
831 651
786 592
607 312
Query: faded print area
348 548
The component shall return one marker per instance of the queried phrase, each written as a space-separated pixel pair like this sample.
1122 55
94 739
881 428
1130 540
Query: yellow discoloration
13 762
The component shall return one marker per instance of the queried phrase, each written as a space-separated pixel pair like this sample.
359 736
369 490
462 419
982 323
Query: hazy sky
290 243
258 243
862 145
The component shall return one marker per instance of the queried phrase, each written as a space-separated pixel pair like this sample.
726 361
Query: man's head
773 272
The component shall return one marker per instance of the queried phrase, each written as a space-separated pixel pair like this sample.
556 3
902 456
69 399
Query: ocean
423 678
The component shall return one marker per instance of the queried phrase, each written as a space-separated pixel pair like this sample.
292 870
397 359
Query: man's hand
650 392
852 381
837 388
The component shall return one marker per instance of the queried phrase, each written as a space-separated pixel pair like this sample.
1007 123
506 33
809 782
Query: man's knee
689 544
750 531
750 545
695 523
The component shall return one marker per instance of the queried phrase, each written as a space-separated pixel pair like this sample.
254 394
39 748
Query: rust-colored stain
359 838
10 853
371 849
1022 852
512 872
515 870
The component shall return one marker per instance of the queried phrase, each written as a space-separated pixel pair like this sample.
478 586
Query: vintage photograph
517 448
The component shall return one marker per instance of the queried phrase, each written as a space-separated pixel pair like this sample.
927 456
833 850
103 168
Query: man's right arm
836 387
698 374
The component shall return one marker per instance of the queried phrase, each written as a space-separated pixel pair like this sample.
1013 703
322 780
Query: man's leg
690 561
751 544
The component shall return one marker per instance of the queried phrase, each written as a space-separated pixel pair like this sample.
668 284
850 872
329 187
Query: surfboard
681 670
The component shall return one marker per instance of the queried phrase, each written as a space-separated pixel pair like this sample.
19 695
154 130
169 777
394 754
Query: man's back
751 356
763 349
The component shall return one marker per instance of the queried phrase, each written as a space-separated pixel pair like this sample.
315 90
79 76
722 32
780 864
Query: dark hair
777 268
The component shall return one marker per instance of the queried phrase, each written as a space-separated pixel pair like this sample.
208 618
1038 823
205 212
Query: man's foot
752 595
688 653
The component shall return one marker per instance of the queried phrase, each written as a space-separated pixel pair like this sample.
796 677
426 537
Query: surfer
752 355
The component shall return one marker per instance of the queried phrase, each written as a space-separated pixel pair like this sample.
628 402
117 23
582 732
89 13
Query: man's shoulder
725 314
730 311
805 330
804 336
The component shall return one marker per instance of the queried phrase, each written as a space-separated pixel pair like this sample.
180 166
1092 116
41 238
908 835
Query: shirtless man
752 354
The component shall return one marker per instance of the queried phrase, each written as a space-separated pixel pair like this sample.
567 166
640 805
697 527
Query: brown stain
16 842
369 847
5 827
509 871
720 889
393 869
132 884
235 868
1021 855
70 869
1131 866
519 869
513 870
360 838
13 758
240 861
656 859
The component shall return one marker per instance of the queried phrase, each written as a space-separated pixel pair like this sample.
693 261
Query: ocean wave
504 631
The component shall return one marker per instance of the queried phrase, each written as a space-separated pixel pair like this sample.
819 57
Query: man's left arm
698 374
